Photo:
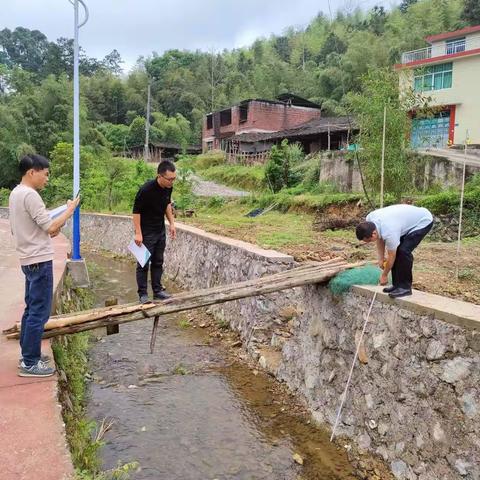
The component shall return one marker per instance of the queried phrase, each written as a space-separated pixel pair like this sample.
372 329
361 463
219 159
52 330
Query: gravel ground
205 188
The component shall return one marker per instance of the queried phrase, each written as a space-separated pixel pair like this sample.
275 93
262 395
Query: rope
344 396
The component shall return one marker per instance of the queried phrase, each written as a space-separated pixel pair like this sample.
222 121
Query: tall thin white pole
382 175
462 192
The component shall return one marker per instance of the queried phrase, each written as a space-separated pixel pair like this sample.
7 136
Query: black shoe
144 299
400 292
161 296
389 289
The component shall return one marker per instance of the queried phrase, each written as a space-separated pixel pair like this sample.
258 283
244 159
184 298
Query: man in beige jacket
32 228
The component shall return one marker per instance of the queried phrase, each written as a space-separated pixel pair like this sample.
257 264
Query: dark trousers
402 268
155 243
38 304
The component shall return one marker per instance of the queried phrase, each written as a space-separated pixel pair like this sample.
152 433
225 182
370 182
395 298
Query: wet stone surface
190 411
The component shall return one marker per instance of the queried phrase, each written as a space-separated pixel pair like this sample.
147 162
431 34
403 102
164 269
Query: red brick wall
274 117
264 116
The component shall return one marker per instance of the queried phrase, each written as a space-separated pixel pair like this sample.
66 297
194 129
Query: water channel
191 411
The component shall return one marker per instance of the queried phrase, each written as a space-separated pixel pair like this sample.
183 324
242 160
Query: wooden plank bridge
311 273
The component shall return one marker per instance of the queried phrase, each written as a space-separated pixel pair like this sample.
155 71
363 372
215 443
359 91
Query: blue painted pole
76 235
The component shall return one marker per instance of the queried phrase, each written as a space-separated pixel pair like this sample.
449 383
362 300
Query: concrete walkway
450 310
456 156
32 436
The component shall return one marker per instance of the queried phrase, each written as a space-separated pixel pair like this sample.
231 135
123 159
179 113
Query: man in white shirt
32 228
397 231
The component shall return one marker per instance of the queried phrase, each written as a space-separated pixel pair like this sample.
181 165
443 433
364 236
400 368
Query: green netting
366 275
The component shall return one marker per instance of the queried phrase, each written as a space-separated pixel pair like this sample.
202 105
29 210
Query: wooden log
206 297
154 334
97 313
112 329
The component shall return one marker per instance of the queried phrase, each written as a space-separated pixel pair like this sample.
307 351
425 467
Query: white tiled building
448 71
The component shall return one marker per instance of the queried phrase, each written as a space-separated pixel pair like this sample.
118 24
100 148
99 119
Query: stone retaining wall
430 171
415 395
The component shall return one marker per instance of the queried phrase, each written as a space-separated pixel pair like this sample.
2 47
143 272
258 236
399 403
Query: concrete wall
336 169
440 171
416 403
429 171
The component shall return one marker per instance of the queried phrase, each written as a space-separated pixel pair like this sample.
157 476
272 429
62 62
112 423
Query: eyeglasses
168 179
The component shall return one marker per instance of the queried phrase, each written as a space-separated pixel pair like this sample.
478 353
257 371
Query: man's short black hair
165 166
32 160
365 230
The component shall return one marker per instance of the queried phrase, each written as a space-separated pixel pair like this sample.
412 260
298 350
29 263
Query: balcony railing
415 55
438 50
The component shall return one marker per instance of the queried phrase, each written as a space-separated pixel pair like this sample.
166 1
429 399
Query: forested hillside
322 62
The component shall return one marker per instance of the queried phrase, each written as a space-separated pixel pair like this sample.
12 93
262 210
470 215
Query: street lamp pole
76 127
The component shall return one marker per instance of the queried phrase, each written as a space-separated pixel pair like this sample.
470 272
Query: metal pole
146 150
76 130
383 156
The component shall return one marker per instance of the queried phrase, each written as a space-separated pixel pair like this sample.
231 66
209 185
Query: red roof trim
426 61
456 33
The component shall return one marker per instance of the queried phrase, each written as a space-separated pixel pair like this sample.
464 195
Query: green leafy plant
279 171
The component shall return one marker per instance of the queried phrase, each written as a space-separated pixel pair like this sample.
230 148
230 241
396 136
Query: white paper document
139 252
57 211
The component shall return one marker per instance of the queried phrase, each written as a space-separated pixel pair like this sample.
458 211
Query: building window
209 145
243 112
435 77
209 122
455 46
225 117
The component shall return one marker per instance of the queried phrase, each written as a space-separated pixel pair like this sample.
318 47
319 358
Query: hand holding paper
139 252
57 211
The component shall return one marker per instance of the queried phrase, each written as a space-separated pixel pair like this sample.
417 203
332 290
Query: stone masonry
415 396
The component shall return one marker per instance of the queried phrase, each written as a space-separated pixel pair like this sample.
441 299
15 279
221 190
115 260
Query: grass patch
341 234
222 324
180 370
238 176
184 323
271 230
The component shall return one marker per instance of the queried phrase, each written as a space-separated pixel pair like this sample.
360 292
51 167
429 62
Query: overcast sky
139 27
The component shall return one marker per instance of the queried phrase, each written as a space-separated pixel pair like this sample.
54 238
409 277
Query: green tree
279 171
406 4
471 12
24 48
117 135
113 62
379 88
11 126
136 132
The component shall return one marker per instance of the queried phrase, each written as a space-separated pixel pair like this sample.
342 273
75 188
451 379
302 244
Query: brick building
256 116
325 133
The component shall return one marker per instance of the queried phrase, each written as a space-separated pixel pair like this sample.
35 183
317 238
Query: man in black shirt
152 204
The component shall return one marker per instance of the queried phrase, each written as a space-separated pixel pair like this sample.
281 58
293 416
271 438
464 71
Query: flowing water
190 412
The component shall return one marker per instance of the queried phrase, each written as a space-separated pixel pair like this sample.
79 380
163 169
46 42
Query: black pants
155 243
402 268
